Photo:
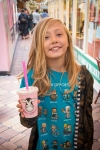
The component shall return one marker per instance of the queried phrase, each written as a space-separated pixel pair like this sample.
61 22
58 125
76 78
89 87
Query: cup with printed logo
29 101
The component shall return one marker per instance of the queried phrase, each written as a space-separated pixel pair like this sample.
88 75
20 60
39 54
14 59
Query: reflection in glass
80 23
94 29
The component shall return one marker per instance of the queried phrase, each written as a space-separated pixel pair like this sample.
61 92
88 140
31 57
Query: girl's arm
28 122
88 107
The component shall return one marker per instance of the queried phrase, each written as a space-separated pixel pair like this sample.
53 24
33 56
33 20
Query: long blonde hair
37 58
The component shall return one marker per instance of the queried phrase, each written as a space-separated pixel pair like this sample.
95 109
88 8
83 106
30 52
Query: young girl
64 120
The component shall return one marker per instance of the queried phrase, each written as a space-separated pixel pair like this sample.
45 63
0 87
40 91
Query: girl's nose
53 39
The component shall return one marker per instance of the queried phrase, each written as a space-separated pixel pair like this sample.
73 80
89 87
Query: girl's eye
59 34
47 37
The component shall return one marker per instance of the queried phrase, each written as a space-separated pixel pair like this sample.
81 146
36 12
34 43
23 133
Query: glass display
70 15
94 29
64 12
80 23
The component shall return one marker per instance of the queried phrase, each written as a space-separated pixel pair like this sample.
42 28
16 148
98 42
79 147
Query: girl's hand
20 109
19 106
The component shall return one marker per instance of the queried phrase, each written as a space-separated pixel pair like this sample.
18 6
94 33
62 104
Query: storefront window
94 29
70 15
64 13
80 23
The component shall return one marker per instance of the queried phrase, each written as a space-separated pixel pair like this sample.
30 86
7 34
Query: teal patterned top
56 121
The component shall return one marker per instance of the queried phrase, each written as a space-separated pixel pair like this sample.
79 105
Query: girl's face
56 42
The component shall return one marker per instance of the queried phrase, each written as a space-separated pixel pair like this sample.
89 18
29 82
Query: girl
64 120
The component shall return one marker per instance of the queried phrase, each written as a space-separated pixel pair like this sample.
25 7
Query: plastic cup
29 101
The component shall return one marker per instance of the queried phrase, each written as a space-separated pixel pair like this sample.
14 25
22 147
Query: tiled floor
13 135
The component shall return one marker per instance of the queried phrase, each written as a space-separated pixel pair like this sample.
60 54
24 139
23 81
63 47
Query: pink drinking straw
25 74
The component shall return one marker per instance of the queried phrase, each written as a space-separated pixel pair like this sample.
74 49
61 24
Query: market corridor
13 136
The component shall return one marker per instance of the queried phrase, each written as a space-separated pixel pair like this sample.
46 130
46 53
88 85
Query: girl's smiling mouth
55 48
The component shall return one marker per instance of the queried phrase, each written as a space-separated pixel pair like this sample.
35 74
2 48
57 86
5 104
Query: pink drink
29 101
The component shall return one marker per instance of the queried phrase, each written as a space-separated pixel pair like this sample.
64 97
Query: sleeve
89 98
30 79
28 122
22 83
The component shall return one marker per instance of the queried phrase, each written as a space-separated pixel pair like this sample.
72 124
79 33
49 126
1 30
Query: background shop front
82 18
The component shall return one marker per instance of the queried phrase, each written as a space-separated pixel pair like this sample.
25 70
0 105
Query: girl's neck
56 65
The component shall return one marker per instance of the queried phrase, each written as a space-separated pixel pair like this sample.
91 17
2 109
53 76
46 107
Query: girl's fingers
19 101
22 115
20 110
38 101
19 106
